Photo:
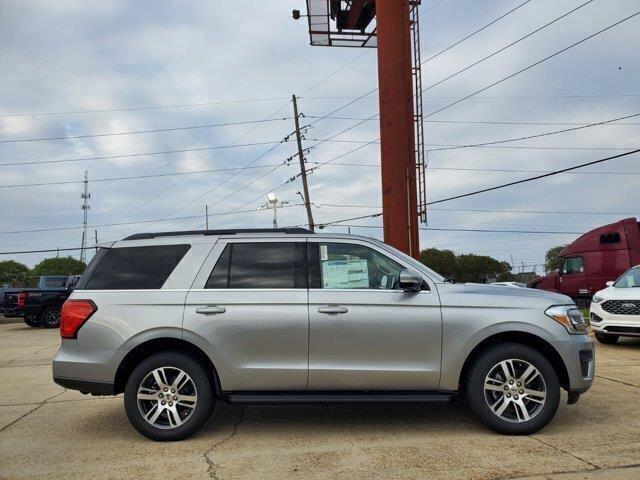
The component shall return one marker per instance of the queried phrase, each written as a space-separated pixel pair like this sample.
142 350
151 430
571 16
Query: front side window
629 280
135 268
352 266
260 265
573 265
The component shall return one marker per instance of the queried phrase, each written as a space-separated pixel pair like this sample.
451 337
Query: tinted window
136 268
219 277
573 265
349 266
261 265
610 238
55 281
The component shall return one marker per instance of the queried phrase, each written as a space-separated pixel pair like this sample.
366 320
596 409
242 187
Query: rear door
365 333
249 304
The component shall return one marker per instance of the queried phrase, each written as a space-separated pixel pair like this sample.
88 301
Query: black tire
478 400
203 389
33 322
606 338
50 317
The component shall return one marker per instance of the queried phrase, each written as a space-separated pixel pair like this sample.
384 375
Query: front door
573 278
251 311
364 332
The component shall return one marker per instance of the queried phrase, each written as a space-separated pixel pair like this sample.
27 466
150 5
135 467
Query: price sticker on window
324 254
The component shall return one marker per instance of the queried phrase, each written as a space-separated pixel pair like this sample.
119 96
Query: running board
335 397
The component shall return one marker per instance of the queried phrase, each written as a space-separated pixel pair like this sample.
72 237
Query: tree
465 268
442 261
552 261
59 266
14 274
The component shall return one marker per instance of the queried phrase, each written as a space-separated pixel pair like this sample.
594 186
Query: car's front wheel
606 338
32 321
513 389
168 396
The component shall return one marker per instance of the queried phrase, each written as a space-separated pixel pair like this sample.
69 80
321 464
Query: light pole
272 203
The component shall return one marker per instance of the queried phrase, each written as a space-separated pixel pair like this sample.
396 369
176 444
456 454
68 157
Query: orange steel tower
392 27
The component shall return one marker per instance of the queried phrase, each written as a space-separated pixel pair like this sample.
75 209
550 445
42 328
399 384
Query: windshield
630 279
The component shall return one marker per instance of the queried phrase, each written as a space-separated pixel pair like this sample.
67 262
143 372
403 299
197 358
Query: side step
336 397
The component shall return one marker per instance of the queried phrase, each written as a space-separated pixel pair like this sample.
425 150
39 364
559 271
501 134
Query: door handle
211 310
333 309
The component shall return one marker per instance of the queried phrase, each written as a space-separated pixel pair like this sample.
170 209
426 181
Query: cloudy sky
93 69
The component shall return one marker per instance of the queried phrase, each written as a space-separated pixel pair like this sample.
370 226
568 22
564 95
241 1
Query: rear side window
55 282
610 237
260 265
136 268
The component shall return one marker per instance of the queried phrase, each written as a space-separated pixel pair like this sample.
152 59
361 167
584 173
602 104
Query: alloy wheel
167 397
515 390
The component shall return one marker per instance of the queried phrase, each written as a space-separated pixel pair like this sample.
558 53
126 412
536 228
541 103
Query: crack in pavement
618 381
212 466
549 476
32 410
595 467
50 400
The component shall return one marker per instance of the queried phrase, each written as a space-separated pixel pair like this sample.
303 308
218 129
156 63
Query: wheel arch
526 338
162 344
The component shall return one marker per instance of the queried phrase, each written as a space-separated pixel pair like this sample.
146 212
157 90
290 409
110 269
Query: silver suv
180 320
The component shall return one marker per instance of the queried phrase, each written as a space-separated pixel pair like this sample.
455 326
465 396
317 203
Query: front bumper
11 312
605 322
578 354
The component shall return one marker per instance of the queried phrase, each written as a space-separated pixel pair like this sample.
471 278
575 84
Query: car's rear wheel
513 389
32 321
168 396
606 338
50 317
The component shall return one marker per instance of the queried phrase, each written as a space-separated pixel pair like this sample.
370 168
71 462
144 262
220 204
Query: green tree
465 268
442 261
14 274
59 266
552 260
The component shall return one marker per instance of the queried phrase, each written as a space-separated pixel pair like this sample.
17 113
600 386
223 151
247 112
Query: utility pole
303 168
206 216
96 239
85 211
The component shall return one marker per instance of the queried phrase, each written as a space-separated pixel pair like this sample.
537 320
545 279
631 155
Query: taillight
73 315
21 299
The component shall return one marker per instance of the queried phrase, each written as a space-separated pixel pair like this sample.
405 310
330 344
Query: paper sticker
324 255
345 274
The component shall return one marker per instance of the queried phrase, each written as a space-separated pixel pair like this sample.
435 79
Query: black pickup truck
42 307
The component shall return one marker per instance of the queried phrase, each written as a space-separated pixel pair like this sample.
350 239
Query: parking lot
47 431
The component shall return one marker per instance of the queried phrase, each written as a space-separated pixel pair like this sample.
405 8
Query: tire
606 338
50 317
33 322
522 413
172 422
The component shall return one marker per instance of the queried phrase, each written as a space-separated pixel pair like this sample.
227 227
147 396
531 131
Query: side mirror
410 280
610 283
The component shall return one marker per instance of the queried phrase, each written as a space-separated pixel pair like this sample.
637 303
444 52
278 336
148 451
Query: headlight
597 299
569 316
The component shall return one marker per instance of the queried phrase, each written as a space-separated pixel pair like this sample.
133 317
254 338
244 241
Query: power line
476 31
137 132
504 97
150 107
515 42
537 177
575 44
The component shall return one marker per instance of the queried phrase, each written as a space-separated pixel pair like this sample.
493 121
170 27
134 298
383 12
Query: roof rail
233 231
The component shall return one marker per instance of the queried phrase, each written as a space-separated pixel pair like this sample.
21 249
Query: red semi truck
598 256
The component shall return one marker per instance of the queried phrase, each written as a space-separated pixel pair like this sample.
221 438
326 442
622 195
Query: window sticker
345 274
324 255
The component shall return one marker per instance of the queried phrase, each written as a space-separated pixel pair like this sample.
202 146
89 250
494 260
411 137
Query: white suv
615 311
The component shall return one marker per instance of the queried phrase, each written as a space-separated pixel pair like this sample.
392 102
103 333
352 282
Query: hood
613 293
524 293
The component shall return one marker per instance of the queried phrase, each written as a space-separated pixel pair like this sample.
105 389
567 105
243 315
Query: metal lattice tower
416 70
85 213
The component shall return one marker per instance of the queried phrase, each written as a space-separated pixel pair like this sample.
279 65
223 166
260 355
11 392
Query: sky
94 69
